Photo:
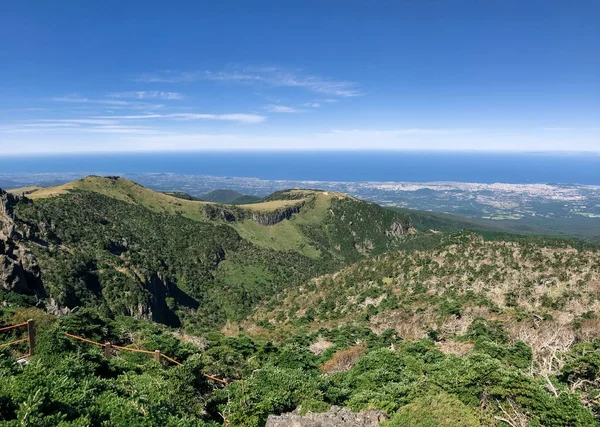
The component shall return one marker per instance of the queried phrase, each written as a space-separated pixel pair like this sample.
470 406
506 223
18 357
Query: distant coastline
348 166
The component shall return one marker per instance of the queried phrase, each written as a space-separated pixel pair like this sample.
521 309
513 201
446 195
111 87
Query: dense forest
301 302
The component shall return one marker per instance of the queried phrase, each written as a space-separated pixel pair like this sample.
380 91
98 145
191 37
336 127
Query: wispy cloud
76 99
241 118
81 121
153 94
396 132
312 104
274 108
571 129
30 109
81 126
271 76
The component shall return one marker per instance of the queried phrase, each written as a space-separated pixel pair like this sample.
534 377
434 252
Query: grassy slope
130 192
24 190
281 236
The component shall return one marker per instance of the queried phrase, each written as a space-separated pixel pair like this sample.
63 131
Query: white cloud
81 126
359 133
271 76
273 108
119 129
154 94
82 121
76 99
48 125
312 104
242 118
566 129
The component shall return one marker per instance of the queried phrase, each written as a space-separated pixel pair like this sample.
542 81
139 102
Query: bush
439 410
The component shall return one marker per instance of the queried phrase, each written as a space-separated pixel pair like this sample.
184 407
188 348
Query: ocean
351 166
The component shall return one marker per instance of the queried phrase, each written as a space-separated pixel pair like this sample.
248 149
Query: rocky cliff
19 270
275 216
232 213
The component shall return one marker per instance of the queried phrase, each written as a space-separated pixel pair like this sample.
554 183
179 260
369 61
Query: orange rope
14 342
132 349
83 339
215 378
6 328
172 360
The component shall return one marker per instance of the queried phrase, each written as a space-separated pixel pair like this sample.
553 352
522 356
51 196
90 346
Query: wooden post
31 334
108 350
157 355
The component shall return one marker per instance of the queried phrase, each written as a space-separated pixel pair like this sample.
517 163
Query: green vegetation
71 383
230 197
283 235
111 243
222 196
184 196
303 301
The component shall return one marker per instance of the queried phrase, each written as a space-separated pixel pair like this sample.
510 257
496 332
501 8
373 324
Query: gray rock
19 270
336 416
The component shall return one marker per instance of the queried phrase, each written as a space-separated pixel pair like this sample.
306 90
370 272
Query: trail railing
30 324
158 356
108 346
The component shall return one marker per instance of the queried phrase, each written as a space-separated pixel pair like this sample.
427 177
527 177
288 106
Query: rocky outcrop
220 212
7 203
19 270
398 229
232 214
335 417
273 217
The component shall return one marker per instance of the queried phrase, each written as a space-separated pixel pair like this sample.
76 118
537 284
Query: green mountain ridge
96 237
301 301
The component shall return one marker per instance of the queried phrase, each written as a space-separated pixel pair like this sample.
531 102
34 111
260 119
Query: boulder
335 417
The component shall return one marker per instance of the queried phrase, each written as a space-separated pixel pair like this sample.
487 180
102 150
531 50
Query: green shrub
439 410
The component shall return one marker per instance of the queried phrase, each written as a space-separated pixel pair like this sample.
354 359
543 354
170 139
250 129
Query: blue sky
130 75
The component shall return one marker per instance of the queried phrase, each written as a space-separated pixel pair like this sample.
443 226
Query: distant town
539 207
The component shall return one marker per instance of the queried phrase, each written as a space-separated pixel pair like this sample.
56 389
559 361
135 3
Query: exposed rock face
232 213
396 230
216 212
19 270
335 417
272 218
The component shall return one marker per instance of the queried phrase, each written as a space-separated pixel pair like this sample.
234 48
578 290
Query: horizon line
298 150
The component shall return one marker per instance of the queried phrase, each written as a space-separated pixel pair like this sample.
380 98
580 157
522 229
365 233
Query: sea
348 166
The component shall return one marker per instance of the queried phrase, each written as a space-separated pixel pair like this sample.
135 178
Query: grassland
24 190
281 236
130 192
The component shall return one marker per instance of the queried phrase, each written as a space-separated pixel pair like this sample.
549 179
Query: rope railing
107 346
14 342
6 328
30 335
84 339
172 360
136 350
157 354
